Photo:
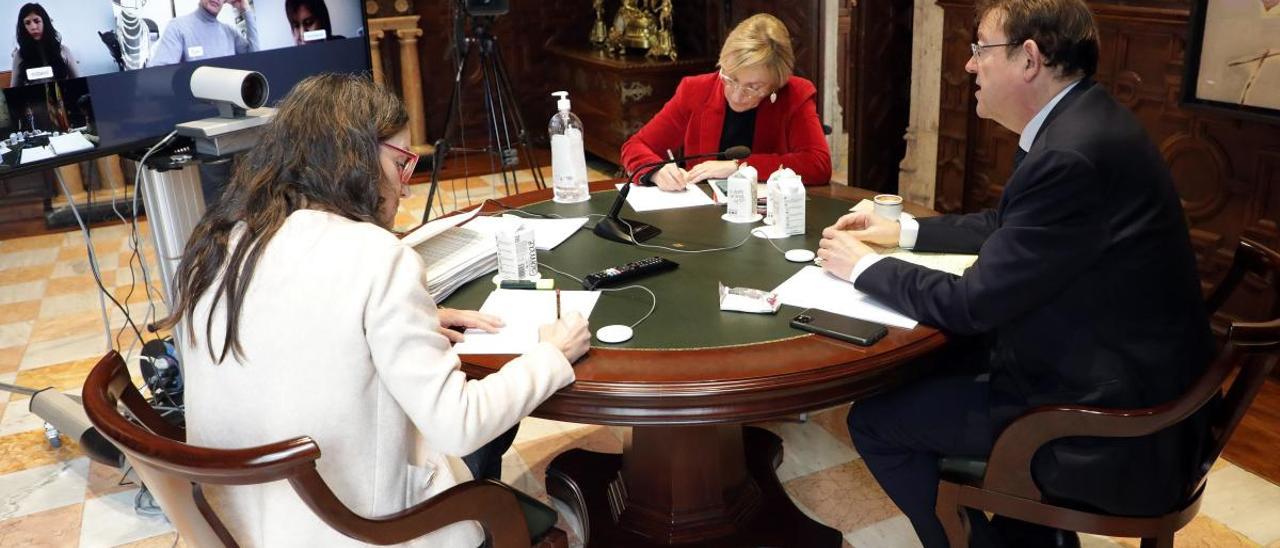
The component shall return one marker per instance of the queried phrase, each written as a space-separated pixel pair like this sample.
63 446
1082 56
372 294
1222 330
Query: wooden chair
1003 485
175 472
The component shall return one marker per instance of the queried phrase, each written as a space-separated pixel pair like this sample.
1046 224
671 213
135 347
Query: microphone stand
628 231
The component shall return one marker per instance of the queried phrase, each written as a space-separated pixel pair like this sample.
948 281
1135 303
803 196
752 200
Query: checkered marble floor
51 334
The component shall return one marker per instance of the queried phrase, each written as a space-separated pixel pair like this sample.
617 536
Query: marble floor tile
56 528
61 305
80 266
67 325
1095 541
808 448
79 284
43 488
10 358
31 449
533 429
17 418
895 532
5 395
845 497
30 257
1244 502
15 334
835 422
106 480
111 521
12 275
167 540
81 346
19 292
62 376
20 312
31 242
515 472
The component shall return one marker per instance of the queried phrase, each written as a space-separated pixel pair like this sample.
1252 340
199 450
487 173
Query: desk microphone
613 228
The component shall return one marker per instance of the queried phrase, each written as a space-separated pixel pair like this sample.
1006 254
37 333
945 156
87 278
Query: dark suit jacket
1086 284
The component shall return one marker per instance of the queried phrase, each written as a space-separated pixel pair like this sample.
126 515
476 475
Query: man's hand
671 178
840 250
466 318
569 334
715 169
869 227
240 5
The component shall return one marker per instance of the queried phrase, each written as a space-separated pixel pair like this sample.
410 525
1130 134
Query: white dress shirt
910 228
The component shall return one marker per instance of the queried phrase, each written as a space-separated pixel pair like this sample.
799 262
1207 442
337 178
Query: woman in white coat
303 315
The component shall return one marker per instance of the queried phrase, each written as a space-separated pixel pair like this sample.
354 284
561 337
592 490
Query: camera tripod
504 123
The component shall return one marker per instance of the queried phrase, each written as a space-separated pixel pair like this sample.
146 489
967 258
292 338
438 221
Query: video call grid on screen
121 72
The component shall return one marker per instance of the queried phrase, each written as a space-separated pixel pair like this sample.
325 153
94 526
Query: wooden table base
686 485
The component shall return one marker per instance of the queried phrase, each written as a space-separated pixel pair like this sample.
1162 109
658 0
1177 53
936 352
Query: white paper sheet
547 233
812 287
523 311
433 228
71 142
35 154
651 198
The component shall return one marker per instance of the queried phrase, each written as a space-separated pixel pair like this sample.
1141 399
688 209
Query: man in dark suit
1084 290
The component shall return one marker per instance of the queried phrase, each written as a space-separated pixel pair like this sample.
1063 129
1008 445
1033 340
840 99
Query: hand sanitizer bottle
568 162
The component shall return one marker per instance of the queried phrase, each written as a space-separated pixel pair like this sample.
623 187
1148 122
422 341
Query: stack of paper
71 142
547 233
454 255
811 287
35 154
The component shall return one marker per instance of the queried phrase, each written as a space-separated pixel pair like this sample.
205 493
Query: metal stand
502 112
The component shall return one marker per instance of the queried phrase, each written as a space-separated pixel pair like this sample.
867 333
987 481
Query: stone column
918 172
411 87
375 50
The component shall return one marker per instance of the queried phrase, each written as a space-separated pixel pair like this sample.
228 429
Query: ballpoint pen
557 303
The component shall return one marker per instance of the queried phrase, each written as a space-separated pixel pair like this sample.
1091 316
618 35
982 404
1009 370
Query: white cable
93 260
652 306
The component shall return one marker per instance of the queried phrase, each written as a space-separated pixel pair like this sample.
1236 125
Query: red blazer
788 132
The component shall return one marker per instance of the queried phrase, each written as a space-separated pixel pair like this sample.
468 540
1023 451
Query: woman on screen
305 315
40 49
308 16
753 100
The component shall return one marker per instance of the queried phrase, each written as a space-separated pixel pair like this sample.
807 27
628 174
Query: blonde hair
760 40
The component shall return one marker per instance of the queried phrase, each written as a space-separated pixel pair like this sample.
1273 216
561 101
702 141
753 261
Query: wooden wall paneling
1226 170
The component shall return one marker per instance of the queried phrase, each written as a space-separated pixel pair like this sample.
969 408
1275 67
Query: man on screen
199 35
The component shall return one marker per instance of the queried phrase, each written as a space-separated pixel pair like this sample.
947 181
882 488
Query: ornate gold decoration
639 24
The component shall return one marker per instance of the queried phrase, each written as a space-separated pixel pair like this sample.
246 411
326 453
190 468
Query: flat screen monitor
95 77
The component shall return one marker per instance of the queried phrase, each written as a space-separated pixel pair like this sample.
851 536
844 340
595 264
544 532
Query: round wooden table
690 472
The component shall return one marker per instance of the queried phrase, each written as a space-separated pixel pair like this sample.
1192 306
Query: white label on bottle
39 73
314 35
195 51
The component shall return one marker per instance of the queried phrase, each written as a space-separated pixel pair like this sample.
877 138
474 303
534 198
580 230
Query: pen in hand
557 303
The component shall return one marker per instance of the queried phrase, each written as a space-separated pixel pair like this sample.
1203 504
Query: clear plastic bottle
568 161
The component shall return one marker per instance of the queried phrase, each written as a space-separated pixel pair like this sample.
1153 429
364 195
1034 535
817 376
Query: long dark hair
47 52
320 152
318 10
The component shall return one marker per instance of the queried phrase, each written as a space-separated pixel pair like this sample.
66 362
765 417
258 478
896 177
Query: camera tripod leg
522 133
442 144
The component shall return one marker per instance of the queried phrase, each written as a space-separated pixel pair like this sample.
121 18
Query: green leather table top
688 313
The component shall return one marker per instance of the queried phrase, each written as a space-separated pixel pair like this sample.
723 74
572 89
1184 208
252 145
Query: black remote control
610 277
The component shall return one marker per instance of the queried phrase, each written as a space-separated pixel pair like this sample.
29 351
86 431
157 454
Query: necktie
1018 155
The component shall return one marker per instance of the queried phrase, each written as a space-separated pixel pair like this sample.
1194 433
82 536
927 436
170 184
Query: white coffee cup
888 206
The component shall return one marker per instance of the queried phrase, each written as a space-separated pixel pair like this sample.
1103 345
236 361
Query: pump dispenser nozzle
563 104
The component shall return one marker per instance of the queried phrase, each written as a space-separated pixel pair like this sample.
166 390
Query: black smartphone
845 328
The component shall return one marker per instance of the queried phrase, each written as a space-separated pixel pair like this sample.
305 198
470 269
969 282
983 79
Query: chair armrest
491 503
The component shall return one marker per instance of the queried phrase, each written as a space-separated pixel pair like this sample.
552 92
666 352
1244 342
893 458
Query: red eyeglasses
406 171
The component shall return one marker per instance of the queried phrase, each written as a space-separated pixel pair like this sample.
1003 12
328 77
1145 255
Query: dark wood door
878 97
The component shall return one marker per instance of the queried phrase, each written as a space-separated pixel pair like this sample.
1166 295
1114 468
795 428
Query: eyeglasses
751 91
976 48
406 171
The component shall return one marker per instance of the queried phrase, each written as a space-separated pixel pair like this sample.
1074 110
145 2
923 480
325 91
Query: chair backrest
175 471
1252 346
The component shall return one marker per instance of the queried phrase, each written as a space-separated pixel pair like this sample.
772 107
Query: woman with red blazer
753 100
